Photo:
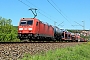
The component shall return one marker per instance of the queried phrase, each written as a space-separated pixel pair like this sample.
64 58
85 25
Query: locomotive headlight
20 28
29 28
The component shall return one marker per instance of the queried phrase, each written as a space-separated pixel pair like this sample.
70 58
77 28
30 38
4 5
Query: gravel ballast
14 51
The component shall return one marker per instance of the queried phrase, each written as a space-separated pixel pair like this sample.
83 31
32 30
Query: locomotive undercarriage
25 36
34 37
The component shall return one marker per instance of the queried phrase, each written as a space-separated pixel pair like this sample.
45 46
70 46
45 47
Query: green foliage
75 31
86 37
16 27
79 52
7 31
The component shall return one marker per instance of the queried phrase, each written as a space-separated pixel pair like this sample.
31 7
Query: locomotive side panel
45 30
41 29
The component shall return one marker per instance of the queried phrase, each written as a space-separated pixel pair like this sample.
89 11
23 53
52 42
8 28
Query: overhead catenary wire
24 3
42 11
38 11
57 7
61 23
59 11
80 24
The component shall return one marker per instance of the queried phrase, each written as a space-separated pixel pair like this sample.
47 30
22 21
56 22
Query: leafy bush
7 31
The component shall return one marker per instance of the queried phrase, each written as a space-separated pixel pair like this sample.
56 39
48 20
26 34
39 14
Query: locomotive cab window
23 22
30 22
37 24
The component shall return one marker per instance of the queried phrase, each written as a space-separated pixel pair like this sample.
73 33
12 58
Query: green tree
7 31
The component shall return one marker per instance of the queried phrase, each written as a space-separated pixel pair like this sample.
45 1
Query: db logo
25 28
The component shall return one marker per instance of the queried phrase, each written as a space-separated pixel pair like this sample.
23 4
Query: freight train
34 29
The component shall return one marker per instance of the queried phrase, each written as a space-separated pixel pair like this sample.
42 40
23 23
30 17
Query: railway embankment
14 51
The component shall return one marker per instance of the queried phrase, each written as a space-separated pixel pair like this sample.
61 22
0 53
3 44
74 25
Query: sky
64 12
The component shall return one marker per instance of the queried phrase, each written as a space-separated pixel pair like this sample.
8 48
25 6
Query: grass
14 40
78 52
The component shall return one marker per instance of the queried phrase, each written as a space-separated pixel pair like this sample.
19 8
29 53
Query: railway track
16 50
34 42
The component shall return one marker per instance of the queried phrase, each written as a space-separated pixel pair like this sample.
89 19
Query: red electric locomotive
32 28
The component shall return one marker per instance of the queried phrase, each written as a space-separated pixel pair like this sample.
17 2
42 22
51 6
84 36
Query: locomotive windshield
28 22
23 22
